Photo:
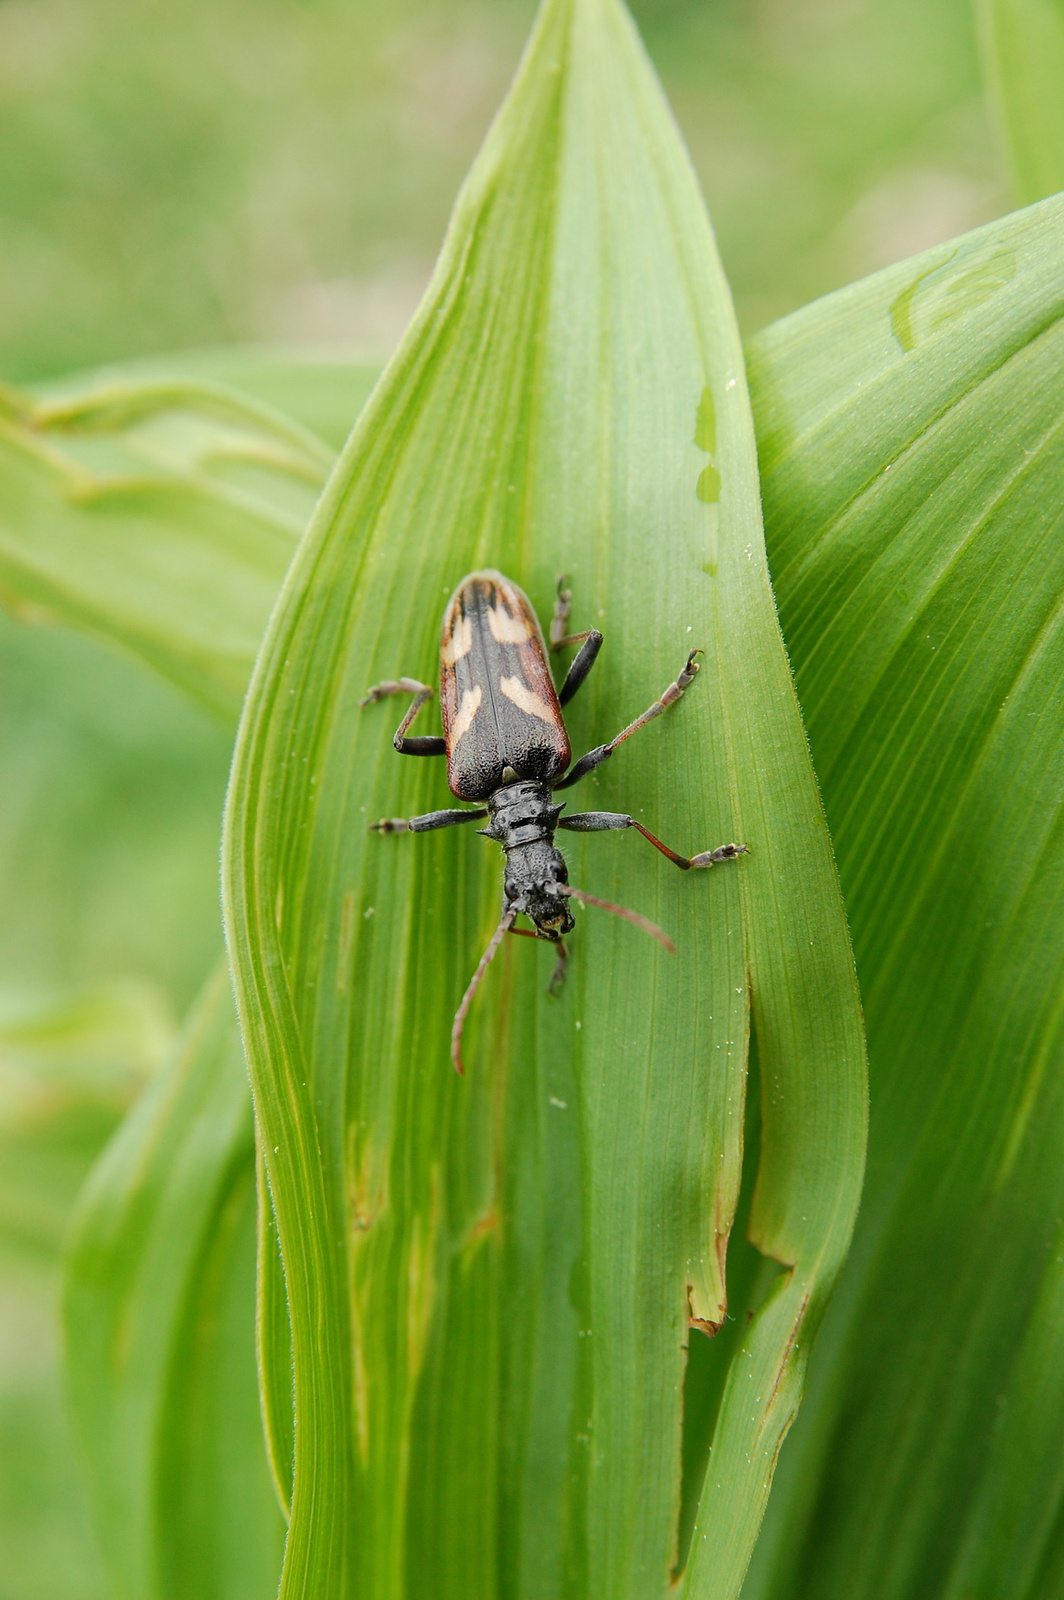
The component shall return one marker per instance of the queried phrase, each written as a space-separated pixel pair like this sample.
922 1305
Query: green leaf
923 336
67 1070
93 1045
1022 46
159 1306
914 494
490 1280
109 809
928 337
159 515
320 391
274 1349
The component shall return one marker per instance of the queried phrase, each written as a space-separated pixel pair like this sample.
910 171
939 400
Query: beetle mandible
506 745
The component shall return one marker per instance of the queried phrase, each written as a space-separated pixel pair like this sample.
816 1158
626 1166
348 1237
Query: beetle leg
557 977
602 752
581 664
417 746
430 819
607 821
590 640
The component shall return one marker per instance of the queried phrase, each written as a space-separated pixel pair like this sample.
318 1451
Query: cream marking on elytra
506 629
466 712
523 697
459 641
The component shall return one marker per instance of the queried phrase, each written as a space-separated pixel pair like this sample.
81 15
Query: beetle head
535 881
548 910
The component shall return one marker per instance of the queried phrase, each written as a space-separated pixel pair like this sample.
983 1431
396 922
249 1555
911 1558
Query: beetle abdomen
501 717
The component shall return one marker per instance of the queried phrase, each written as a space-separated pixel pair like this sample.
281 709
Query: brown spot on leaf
704 1324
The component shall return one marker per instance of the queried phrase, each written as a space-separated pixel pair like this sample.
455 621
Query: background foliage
199 189
216 172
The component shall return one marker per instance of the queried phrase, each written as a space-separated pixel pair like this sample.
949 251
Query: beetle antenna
618 911
467 999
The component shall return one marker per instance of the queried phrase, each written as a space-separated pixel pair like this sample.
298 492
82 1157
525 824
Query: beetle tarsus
723 852
381 691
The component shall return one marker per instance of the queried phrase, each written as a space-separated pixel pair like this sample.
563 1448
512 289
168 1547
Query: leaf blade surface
541 416
157 515
914 513
159 1311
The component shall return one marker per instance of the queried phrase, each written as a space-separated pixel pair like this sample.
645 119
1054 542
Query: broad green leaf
912 451
807 376
274 1349
316 388
109 810
491 1280
159 515
113 786
1022 46
160 1297
93 1044
816 380
68 1066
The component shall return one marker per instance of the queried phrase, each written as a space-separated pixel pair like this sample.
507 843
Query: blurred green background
280 171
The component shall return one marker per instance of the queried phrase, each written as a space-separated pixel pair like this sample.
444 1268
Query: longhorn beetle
506 744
